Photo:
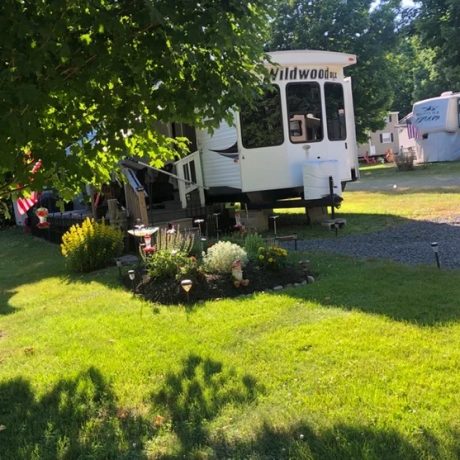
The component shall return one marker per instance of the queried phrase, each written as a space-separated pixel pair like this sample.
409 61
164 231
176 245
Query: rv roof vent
447 93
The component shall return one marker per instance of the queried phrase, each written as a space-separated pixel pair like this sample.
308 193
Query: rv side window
304 111
335 112
262 123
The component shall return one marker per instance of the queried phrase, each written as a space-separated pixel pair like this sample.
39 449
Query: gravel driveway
408 243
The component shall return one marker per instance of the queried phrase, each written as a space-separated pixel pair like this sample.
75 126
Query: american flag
24 204
412 130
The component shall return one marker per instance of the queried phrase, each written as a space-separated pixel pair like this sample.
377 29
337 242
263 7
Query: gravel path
408 243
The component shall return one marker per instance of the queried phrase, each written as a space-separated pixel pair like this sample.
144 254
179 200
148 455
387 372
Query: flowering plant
221 256
91 245
271 257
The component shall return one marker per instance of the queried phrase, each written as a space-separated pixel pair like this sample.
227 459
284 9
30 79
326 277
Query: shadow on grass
341 441
420 295
197 394
289 223
77 418
200 391
26 259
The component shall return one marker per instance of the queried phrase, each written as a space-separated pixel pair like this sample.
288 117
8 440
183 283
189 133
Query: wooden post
143 215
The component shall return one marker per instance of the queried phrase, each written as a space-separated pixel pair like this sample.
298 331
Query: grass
428 169
373 211
361 364
385 206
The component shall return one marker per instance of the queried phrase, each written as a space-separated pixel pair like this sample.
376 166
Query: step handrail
161 171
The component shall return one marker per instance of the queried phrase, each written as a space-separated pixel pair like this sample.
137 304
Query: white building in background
406 140
382 140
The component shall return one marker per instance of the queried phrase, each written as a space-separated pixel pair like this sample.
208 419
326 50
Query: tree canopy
96 77
351 26
437 26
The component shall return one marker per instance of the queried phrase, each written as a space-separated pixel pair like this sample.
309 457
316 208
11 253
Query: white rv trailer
289 144
437 121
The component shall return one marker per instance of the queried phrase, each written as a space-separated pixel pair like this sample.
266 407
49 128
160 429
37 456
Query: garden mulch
217 286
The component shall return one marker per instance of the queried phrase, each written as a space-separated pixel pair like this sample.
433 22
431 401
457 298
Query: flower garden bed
216 286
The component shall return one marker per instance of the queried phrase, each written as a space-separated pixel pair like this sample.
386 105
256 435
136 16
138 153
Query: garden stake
216 215
118 262
435 248
331 192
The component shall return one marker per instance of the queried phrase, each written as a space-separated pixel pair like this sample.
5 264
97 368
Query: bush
171 265
252 243
405 160
91 245
272 257
220 257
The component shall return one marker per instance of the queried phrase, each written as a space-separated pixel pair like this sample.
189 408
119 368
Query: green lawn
373 211
428 169
362 364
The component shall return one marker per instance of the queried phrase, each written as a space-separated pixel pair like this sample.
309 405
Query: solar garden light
186 285
199 222
435 248
274 223
132 276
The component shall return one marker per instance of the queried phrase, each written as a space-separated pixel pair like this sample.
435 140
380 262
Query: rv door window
304 110
262 122
335 111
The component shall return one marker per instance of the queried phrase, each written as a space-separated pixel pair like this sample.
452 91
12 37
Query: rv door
260 129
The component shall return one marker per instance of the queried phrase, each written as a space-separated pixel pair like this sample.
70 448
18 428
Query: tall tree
438 24
93 78
352 26
415 73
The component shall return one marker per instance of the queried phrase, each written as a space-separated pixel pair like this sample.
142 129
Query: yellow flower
261 257
270 260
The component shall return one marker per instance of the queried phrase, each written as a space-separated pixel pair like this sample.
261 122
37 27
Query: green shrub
91 245
171 265
272 257
405 160
252 243
220 257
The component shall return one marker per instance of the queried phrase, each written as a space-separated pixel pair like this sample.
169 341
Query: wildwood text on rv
293 73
